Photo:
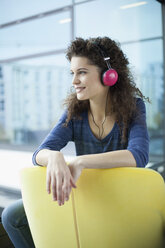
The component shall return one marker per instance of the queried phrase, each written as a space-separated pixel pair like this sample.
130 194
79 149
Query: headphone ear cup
110 77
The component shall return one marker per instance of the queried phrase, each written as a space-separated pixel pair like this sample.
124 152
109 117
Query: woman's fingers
60 185
53 186
70 189
59 188
65 189
48 183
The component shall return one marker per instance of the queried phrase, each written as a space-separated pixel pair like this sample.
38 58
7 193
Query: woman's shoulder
81 116
139 101
139 116
140 105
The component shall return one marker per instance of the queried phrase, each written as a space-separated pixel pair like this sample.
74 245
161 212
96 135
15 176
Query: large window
34 73
35 36
34 76
138 27
120 20
148 61
11 10
34 90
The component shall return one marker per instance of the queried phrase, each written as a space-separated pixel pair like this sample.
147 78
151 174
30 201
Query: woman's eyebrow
82 68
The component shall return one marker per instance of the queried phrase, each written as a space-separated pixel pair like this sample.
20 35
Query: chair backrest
51 226
118 208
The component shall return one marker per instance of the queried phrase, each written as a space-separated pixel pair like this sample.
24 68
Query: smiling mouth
79 89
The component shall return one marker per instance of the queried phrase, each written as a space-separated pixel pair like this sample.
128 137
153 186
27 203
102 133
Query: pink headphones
109 77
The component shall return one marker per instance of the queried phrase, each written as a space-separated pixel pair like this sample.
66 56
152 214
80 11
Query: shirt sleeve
58 137
138 138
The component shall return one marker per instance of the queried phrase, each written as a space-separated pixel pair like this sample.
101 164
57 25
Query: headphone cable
102 125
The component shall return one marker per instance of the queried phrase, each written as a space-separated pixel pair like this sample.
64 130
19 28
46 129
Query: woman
105 117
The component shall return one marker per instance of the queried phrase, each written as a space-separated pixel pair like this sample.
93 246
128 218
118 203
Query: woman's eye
82 72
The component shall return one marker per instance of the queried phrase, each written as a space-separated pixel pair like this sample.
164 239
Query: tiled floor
12 162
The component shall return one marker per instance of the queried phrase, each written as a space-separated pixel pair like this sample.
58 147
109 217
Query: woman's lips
79 89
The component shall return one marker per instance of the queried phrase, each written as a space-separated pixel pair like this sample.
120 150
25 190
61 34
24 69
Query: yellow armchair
110 208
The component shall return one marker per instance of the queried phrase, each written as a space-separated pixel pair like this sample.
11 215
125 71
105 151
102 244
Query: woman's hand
59 179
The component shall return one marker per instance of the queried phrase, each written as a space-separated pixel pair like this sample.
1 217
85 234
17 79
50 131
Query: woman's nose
75 80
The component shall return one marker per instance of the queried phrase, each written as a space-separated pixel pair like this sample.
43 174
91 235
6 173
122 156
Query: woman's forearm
121 158
44 155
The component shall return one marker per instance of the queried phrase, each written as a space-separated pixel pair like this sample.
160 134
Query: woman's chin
81 97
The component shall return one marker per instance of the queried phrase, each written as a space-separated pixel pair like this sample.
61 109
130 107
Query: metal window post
72 21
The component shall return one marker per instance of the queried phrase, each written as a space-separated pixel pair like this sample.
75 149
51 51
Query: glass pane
148 67
121 24
31 99
14 10
79 1
41 35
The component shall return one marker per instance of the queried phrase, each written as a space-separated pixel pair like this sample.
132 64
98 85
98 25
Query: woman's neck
100 107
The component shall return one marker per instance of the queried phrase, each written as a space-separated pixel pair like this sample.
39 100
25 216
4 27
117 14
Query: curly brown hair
123 94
